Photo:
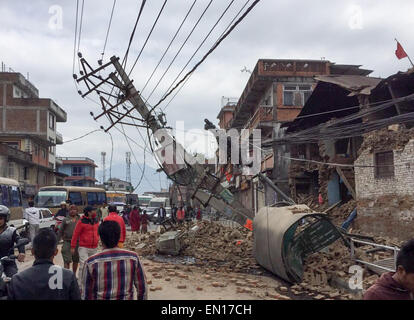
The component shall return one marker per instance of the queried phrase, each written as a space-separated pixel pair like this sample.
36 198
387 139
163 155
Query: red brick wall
287 113
21 120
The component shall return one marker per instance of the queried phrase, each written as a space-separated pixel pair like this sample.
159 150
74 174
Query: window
121 186
101 197
75 198
11 170
384 164
44 153
51 121
16 199
296 95
46 214
36 150
78 171
13 145
52 147
4 195
92 198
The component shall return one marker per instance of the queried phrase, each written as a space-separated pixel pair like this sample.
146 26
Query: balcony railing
59 138
14 153
262 114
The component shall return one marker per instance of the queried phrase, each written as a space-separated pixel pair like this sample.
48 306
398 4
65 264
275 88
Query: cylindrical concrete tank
277 245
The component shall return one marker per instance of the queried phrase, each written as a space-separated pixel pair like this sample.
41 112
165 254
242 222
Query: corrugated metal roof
353 83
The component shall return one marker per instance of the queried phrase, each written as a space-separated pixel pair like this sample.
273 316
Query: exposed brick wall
21 120
386 205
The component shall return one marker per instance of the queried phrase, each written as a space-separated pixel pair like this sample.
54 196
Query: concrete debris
213 246
386 139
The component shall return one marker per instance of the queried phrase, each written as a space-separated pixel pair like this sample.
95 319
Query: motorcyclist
8 238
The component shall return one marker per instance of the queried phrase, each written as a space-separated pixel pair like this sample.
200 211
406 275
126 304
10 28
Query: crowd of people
115 273
111 274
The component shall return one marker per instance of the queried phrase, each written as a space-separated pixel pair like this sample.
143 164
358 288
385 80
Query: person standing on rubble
135 220
397 285
180 215
198 215
144 222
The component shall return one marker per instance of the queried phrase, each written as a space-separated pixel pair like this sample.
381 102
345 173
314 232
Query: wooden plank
332 206
348 185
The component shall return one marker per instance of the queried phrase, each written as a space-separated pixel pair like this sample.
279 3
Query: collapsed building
354 140
274 95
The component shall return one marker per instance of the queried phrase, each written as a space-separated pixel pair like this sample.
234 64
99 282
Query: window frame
379 172
77 193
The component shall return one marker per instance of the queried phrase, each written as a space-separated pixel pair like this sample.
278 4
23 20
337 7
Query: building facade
28 135
80 171
274 95
116 184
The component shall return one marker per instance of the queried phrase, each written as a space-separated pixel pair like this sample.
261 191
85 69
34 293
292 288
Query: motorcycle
58 222
3 278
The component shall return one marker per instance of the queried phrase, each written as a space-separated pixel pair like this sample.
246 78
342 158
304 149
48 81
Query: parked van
144 200
155 204
11 197
51 197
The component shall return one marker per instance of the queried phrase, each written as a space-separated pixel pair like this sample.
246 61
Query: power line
90 132
225 30
124 61
169 45
80 30
149 35
179 50
76 35
109 27
209 52
201 44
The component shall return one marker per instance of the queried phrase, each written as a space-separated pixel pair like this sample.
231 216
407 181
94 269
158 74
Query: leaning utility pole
208 189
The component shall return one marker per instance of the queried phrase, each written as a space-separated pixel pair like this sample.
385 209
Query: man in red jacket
86 232
396 285
113 216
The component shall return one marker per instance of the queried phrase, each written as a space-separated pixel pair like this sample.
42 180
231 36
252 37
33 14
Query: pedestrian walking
36 282
103 211
86 234
174 213
65 232
144 222
113 273
113 216
135 219
32 215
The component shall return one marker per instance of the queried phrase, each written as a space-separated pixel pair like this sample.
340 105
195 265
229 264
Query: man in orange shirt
113 216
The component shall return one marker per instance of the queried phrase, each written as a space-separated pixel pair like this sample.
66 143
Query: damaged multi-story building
274 95
354 140
28 134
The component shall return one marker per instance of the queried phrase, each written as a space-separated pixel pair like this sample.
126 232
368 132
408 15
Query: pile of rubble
327 273
393 137
213 245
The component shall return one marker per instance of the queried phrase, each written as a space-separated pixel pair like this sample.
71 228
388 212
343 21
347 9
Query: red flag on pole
400 53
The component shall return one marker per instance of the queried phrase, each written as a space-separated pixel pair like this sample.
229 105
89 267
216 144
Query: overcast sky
34 40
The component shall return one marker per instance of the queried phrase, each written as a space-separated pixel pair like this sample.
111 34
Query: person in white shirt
32 215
